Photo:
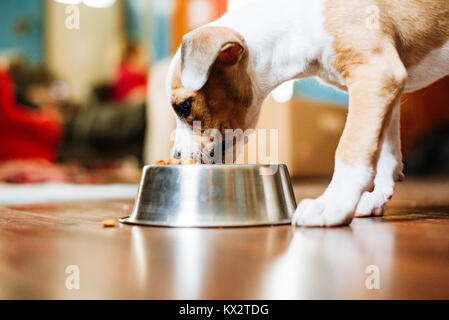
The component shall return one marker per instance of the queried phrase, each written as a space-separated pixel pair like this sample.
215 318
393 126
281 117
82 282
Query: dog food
108 223
174 162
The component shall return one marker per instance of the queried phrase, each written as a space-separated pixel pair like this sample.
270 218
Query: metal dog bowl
213 196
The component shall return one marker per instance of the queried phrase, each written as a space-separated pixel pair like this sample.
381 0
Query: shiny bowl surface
213 196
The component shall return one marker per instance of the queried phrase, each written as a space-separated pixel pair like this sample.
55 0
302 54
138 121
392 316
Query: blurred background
82 96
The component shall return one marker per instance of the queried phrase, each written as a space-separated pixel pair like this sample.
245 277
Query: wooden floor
409 247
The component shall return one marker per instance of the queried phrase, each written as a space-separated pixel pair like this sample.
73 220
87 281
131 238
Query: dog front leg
374 90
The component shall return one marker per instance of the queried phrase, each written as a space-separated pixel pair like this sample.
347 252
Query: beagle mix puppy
374 49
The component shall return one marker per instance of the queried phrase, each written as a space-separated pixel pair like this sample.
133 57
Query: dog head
210 91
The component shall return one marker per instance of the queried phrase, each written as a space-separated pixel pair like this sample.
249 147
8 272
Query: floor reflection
205 262
319 263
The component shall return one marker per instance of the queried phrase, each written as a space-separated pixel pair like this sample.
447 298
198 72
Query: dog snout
177 154
211 152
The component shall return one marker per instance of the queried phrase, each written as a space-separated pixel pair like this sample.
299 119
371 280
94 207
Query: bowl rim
127 220
207 165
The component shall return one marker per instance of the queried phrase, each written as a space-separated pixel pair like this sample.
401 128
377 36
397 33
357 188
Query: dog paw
373 203
322 212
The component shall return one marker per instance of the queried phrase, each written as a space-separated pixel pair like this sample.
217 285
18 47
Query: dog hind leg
388 172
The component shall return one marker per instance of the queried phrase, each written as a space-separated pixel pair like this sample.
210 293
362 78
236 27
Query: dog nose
177 154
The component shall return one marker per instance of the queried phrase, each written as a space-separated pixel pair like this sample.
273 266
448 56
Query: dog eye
184 108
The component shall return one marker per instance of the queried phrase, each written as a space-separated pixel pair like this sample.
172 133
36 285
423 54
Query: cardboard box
307 132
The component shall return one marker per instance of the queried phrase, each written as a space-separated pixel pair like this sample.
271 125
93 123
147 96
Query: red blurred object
128 80
26 134
423 111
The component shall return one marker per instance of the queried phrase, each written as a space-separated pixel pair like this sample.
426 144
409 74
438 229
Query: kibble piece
108 223
160 163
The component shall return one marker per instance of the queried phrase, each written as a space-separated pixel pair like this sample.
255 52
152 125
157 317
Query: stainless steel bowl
213 196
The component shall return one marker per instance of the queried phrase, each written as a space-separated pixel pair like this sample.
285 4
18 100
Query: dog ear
202 48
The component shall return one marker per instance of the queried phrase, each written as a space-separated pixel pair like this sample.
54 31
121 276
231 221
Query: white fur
374 202
185 141
336 205
288 39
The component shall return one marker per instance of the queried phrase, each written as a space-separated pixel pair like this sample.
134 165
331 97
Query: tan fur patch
374 90
413 27
418 26
224 99
372 57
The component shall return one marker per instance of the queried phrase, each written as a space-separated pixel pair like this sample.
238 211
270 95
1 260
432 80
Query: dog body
373 49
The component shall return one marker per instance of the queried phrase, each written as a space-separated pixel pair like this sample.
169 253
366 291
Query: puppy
374 49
